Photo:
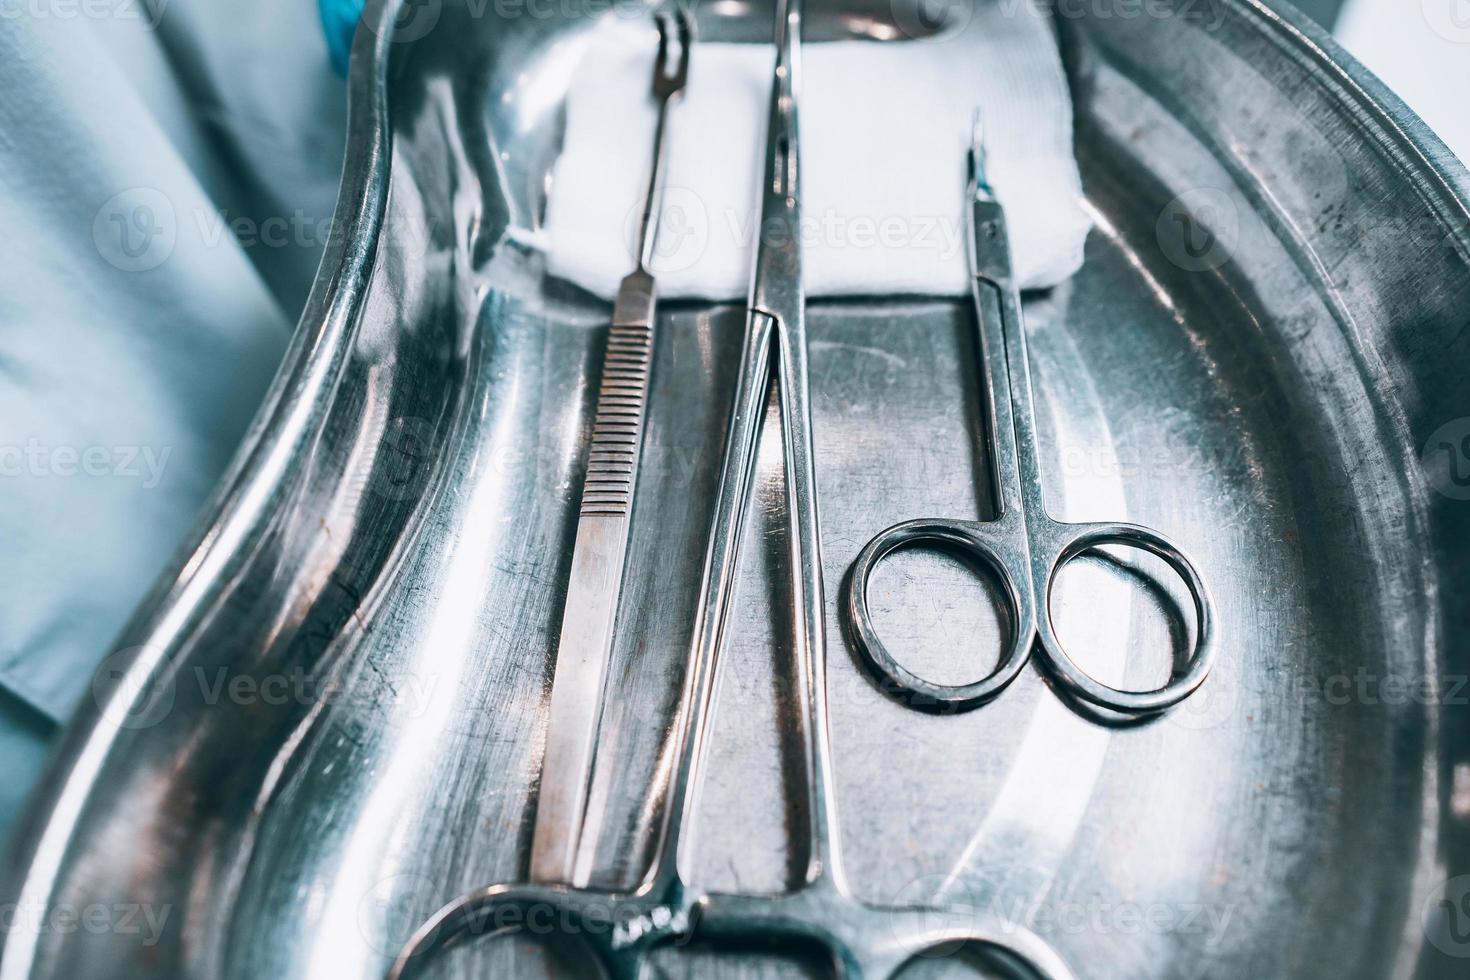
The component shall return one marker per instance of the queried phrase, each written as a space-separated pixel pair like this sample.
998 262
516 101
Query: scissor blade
990 247
596 581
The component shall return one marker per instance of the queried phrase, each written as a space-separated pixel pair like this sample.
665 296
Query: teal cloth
339 22
168 172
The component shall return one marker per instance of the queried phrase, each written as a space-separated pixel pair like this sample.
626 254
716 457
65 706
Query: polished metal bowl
327 720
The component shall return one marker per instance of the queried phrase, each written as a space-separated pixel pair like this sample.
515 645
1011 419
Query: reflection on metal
398 532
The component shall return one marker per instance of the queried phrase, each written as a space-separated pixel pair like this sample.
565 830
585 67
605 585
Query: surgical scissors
621 928
1023 545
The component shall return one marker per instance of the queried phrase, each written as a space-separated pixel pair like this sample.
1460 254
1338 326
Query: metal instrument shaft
598 557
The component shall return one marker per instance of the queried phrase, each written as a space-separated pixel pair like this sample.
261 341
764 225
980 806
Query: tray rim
238 515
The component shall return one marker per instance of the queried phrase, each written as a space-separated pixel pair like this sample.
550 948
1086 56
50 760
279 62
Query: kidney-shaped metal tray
328 719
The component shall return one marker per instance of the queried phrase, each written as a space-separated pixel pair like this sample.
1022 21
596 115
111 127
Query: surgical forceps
589 615
1023 545
621 928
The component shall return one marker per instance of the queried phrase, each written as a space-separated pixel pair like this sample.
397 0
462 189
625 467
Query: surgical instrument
1023 545
599 554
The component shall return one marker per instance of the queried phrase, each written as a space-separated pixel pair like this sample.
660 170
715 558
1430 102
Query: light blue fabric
168 170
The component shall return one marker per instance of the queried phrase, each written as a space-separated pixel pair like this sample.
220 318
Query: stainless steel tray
328 720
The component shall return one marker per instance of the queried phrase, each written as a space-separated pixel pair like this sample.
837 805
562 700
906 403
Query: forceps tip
667 81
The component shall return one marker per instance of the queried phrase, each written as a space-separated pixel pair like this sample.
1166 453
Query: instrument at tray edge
621 928
589 616
1023 545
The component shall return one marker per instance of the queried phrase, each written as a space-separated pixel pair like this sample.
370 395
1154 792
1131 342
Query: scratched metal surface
1254 367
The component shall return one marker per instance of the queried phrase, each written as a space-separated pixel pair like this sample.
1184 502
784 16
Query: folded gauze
884 130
